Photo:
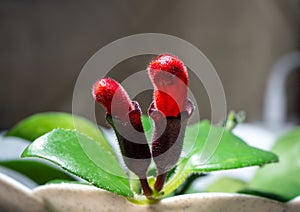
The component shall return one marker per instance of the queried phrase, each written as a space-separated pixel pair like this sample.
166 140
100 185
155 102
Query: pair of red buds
170 111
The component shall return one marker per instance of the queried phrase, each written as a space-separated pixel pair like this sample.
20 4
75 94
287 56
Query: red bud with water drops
113 97
170 79
124 116
170 111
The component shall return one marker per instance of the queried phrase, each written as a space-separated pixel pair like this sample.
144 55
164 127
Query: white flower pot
75 197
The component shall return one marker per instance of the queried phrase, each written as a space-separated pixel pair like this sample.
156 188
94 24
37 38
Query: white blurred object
264 134
275 100
11 147
256 134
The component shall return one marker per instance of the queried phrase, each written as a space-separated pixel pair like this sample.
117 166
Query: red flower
170 79
170 111
113 97
124 116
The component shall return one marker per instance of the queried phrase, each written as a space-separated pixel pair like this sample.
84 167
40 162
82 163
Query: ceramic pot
75 197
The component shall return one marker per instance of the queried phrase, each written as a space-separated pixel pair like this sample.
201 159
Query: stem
188 182
160 181
177 179
146 188
142 200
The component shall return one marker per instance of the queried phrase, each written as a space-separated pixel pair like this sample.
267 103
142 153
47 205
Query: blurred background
44 45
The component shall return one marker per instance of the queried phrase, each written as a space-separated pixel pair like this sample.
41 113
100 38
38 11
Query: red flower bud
170 111
170 79
113 97
124 116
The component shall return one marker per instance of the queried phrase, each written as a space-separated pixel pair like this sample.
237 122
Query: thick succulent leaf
37 171
81 156
210 148
282 178
230 151
41 123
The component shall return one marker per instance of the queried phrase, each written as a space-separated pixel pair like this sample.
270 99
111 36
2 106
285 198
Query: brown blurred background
44 45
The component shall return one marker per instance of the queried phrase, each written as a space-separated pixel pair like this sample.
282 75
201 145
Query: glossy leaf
282 178
83 157
41 123
214 148
37 171
230 151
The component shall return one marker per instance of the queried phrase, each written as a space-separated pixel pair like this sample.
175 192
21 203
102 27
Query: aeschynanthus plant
170 112
60 138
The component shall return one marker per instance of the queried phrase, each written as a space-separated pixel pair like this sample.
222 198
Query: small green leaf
41 123
148 126
37 171
210 148
83 157
233 119
282 178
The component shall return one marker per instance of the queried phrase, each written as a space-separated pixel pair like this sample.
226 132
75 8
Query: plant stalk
160 181
146 188
177 179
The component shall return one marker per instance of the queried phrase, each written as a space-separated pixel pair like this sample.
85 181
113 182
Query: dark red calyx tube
170 111
168 140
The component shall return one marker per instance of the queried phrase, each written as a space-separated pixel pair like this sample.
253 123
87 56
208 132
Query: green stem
177 179
142 200
187 184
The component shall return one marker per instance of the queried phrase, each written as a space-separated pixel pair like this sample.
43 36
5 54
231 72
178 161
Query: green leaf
263 194
282 178
210 148
148 126
230 151
41 123
226 184
37 171
83 157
